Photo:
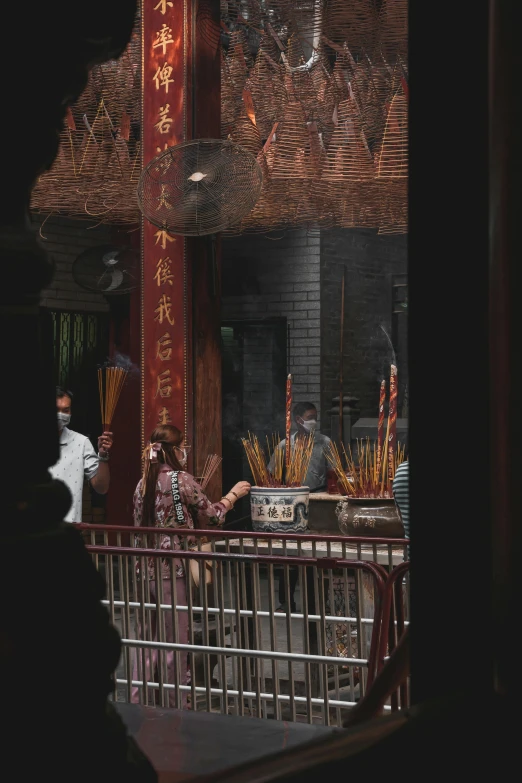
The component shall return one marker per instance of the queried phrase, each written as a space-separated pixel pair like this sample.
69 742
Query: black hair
301 408
61 392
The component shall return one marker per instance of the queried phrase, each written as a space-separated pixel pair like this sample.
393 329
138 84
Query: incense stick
392 420
288 420
380 425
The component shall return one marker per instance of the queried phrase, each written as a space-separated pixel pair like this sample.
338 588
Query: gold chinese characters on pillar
164 316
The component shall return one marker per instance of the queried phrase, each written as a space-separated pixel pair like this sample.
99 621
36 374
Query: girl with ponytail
164 476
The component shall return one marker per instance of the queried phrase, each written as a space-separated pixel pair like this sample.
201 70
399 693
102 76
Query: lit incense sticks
288 422
380 426
392 422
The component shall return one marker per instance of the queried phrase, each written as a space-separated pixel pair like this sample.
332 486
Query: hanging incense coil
238 60
303 87
392 159
393 201
348 158
266 85
372 91
321 78
292 146
342 74
244 132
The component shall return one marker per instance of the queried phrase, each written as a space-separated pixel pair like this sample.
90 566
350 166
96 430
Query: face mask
310 426
63 420
183 461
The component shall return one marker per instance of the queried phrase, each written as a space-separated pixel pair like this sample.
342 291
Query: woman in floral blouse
154 506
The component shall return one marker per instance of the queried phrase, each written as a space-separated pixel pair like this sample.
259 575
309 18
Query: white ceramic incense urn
279 510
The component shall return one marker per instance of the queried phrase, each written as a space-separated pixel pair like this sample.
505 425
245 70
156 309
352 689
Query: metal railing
394 620
242 655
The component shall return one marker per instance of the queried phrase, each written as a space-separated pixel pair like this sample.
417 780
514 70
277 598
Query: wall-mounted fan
108 269
199 187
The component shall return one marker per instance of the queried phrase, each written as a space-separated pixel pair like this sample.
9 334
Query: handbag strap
176 498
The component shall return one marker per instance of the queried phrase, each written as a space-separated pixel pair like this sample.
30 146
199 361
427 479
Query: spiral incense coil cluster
98 165
330 76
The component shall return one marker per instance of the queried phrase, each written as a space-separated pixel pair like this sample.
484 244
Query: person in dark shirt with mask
305 417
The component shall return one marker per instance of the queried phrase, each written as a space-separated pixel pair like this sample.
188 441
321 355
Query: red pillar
181 100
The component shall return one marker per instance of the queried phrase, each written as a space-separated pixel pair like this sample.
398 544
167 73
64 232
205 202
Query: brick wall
265 278
371 261
64 239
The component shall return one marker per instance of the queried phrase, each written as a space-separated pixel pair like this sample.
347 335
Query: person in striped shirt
401 493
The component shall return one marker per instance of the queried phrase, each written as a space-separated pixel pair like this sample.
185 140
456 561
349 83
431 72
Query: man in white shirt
78 460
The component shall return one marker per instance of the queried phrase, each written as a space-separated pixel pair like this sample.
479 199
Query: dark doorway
254 380
81 343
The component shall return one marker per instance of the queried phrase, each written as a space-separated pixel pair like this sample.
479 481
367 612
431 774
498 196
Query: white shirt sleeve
90 460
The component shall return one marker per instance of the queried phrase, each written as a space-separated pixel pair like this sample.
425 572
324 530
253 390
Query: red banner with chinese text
165 26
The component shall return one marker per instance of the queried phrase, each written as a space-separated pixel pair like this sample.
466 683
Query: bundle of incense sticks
288 420
110 384
211 465
359 475
392 421
380 425
300 456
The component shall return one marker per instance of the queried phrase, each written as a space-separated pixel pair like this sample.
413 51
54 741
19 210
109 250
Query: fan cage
200 187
